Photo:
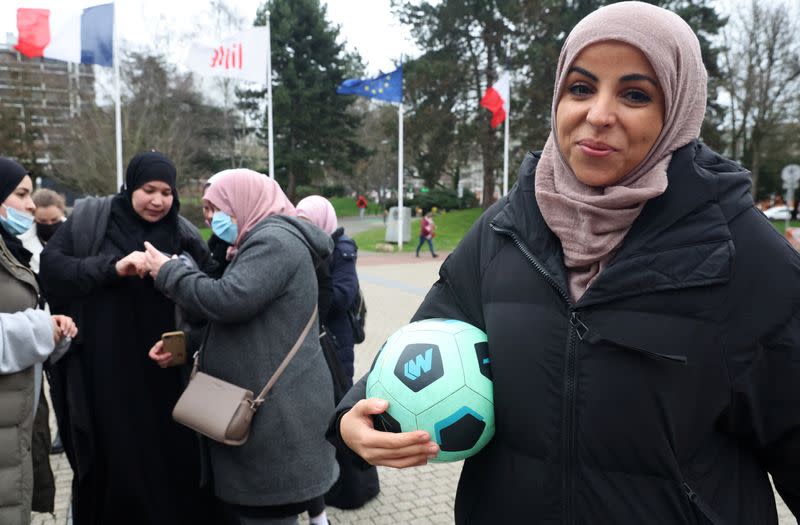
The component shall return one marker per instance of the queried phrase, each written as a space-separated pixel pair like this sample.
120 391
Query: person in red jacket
362 205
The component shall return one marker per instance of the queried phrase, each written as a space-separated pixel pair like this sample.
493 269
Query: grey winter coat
257 309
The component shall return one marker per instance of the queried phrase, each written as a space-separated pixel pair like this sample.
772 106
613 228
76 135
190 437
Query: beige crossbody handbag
223 411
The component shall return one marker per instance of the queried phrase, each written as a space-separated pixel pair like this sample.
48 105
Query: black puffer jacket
342 264
666 393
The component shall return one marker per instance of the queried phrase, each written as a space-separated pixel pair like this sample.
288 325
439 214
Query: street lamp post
790 175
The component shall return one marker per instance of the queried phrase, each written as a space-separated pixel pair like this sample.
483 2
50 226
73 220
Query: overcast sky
169 26
366 25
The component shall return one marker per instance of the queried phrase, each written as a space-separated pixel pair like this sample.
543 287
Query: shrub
441 199
302 191
192 210
334 190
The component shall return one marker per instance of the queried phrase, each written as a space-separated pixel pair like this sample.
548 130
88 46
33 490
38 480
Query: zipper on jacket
577 331
707 511
594 337
527 253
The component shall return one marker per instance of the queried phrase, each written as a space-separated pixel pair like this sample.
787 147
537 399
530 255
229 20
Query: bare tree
224 20
761 72
20 136
162 110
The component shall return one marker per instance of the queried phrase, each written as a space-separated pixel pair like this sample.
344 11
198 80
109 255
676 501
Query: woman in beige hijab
643 318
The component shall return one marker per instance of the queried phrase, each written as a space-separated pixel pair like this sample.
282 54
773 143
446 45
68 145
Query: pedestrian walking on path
642 316
427 231
362 204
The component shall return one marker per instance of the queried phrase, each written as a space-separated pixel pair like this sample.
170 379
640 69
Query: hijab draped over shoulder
319 211
248 196
592 222
127 230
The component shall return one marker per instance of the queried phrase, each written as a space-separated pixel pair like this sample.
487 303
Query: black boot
57 447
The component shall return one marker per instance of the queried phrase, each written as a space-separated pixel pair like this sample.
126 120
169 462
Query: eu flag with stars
386 86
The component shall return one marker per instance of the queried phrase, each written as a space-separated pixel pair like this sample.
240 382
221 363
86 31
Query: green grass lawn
450 229
781 225
346 207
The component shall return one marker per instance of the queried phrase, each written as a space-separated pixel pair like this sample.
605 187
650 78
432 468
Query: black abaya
133 464
144 467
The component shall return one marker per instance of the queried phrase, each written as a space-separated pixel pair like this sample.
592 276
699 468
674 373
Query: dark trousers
237 517
316 506
422 240
233 514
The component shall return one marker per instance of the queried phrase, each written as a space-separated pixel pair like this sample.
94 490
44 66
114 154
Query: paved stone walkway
393 285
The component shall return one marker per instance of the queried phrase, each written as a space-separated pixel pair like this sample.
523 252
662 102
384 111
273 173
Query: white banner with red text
242 56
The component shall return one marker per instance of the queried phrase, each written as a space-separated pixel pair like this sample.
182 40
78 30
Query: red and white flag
242 56
497 99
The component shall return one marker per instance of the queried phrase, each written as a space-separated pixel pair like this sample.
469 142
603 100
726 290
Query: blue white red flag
82 35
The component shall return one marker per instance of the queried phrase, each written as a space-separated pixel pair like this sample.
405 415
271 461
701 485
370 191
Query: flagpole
269 100
117 108
505 153
400 177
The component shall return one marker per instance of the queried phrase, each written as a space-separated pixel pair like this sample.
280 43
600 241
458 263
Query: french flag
497 99
84 36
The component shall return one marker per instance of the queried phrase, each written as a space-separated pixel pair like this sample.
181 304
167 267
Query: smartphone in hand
175 344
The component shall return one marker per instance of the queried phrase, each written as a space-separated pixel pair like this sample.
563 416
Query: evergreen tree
465 43
312 125
432 90
707 24
542 29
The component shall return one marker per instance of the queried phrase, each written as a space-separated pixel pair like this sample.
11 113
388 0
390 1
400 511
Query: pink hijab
319 211
249 197
592 222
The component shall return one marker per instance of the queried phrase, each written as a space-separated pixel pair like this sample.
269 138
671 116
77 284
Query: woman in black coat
132 463
643 318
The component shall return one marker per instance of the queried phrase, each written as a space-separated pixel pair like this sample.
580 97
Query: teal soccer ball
436 377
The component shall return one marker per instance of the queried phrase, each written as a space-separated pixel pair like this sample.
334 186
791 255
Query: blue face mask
223 227
16 222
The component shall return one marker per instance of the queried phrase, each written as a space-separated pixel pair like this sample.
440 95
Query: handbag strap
257 402
260 399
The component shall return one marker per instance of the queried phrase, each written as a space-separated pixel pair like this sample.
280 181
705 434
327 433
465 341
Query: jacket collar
681 239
